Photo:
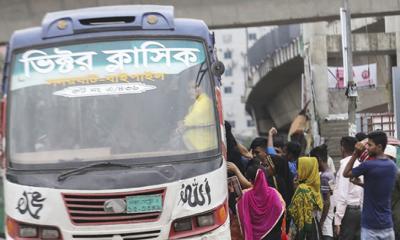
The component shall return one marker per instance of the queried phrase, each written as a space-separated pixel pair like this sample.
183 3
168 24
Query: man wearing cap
391 152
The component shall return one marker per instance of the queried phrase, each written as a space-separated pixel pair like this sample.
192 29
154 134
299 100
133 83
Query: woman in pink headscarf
261 210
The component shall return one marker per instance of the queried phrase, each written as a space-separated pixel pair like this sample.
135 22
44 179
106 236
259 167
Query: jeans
377 234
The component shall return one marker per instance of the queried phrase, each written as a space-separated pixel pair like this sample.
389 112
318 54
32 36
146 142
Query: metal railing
378 121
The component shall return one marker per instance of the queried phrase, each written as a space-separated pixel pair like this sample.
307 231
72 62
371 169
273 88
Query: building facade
233 45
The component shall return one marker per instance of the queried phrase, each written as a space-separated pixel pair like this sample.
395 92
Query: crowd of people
287 193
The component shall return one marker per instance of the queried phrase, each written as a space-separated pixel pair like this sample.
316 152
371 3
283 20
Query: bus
113 128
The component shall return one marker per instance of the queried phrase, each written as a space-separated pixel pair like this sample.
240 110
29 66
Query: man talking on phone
379 178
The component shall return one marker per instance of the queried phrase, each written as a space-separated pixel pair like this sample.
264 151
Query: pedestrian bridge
17 14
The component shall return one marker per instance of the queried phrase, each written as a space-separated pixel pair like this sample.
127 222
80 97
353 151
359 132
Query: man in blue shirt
291 151
379 178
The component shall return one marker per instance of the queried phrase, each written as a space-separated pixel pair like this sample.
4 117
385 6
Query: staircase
332 131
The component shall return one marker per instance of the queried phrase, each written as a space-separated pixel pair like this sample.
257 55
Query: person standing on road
261 159
348 197
396 206
327 179
307 201
261 210
275 143
391 152
235 151
291 152
379 179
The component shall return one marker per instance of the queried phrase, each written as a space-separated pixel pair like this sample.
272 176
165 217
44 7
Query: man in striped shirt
327 178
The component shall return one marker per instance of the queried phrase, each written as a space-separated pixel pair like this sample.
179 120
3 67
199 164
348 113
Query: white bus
113 128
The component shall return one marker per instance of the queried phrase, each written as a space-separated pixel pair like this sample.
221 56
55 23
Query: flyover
17 14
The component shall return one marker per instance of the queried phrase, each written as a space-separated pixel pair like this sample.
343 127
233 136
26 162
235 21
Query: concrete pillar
315 63
392 24
398 48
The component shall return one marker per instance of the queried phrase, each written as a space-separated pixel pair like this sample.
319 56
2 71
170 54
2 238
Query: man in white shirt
348 197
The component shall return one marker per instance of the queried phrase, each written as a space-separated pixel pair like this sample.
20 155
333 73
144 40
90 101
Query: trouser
313 234
236 233
351 224
327 228
377 234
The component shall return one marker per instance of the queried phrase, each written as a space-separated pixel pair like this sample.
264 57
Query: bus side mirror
218 68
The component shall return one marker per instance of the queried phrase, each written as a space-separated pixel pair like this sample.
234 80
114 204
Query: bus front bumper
221 233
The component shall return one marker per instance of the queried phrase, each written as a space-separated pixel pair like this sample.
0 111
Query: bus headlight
205 220
27 231
184 224
22 231
50 233
200 223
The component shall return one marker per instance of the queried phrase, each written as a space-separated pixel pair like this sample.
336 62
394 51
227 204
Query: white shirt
331 165
345 192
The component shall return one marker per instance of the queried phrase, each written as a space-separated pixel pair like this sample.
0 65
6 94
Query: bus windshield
114 100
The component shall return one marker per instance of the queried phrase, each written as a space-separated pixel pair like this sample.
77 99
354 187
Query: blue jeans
377 234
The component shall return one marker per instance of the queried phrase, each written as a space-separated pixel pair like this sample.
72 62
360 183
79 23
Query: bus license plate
144 203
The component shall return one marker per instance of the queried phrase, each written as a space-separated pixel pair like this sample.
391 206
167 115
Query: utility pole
351 92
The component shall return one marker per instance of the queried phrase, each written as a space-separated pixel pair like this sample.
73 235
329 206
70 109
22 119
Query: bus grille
124 236
88 209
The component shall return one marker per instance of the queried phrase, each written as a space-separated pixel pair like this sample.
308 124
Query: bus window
111 100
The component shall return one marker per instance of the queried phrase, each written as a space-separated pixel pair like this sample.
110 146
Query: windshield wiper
200 74
85 168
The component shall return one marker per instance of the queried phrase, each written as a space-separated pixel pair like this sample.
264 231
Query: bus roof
109 21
